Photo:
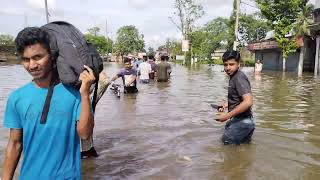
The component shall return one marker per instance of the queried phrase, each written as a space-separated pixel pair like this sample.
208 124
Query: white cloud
138 4
11 11
40 4
149 16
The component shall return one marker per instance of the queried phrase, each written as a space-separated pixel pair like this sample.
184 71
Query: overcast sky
149 16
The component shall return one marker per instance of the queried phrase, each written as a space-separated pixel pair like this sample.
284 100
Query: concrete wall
272 58
309 54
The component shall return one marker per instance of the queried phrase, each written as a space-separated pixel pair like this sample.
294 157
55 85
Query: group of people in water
52 150
145 68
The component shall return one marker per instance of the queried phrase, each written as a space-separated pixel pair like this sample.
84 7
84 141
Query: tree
282 15
129 40
174 47
301 29
151 51
252 28
94 31
188 13
103 45
6 39
211 37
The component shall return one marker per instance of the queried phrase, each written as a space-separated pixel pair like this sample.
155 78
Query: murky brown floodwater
167 130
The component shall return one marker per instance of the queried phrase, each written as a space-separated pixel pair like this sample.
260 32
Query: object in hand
217 107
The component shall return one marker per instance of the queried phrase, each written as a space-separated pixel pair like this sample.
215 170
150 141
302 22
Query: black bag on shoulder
70 51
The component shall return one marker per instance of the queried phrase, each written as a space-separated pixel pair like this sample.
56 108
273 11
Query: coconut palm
302 29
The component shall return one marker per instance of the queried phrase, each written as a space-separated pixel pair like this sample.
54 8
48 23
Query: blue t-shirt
50 150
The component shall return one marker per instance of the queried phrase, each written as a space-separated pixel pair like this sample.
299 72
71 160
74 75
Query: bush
248 62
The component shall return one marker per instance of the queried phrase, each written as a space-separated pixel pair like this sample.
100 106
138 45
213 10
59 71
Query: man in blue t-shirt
129 77
51 150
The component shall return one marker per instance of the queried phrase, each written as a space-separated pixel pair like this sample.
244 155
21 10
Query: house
217 54
270 54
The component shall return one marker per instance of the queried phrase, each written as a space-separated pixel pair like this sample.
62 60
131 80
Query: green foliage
129 40
188 12
252 28
176 48
282 15
151 51
103 45
304 19
248 62
6 39
94 31
210 38
217 33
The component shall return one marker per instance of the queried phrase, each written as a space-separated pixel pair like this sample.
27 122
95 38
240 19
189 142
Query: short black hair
126 60
145 58
30 36
231 54
151 56
164 57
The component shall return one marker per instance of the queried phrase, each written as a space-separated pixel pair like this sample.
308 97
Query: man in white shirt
144 70
258 67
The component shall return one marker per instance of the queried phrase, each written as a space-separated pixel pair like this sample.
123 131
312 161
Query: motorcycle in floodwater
116 89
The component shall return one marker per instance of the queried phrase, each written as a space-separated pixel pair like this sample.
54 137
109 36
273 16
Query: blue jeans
238 131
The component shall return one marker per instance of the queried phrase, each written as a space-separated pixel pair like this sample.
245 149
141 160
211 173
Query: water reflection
167 131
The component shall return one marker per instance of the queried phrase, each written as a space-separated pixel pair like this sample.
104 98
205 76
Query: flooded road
167 130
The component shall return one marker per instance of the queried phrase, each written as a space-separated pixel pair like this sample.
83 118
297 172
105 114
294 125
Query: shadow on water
167 131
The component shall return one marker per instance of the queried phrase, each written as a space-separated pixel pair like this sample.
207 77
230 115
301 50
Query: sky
151 17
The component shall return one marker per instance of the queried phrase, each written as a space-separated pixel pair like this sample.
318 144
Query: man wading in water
51 150
240 126
129 76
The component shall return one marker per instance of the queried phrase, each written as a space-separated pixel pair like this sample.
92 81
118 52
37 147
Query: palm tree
302 29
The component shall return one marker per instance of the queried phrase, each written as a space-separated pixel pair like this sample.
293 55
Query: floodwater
167 131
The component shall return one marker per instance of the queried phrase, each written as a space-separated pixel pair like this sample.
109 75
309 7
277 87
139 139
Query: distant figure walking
128 75
144 70
163 70
152 62
258 66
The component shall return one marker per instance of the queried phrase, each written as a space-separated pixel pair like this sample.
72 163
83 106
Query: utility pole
107 30
47 13
235 44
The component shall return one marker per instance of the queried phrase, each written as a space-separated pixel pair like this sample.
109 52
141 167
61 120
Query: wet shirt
153 65
239 85
50 150
126 74
258 67
163 71
144 69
